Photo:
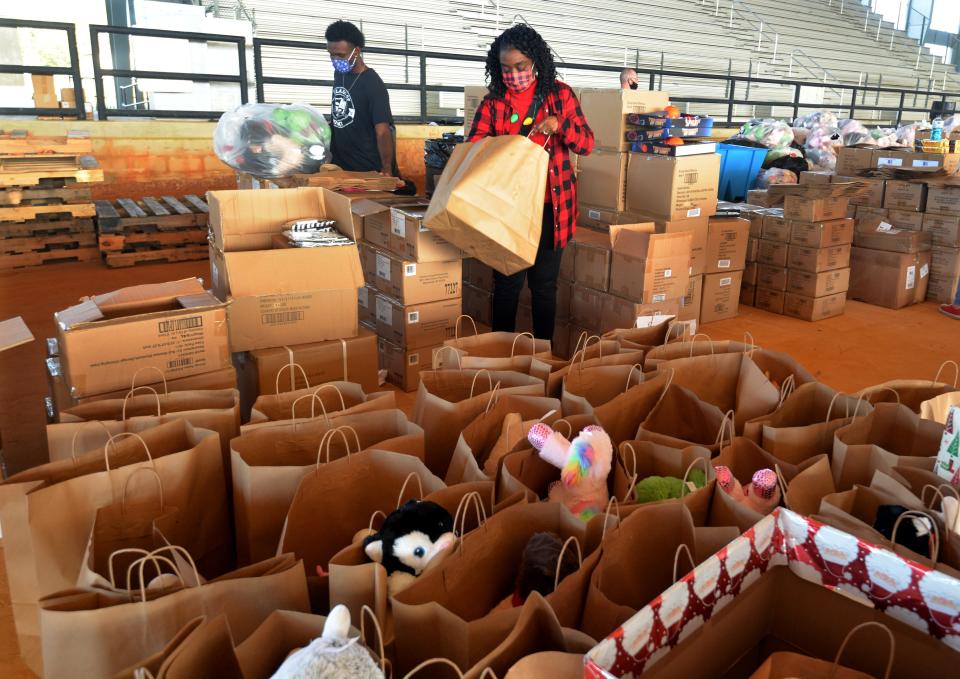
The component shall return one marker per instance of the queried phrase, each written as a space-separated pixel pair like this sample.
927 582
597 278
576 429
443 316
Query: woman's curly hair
523 38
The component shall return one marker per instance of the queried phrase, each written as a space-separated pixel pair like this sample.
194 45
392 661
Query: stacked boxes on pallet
414 289
170 229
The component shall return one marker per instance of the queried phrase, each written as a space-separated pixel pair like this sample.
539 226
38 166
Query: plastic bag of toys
273 140
768 132
775 175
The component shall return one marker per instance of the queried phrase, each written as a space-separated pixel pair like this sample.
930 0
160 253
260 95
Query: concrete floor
865 346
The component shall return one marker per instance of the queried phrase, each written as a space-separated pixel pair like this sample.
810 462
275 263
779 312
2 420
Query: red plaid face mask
518 81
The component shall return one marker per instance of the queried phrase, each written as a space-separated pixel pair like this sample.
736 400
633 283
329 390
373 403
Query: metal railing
73 70
99 73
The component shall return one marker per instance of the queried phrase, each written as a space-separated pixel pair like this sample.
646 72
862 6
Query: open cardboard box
176 328
649 267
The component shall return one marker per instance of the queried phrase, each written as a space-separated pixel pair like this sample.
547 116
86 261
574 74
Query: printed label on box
911 277
383 267
398 224
660 298
384 310
413 359
724 282
655 319
667 273
410 270
695 212
884 226
890 162
593 214
926 163
363 297
723 264
413 317
924 270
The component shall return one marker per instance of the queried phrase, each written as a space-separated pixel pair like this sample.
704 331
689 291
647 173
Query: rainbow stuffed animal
584 466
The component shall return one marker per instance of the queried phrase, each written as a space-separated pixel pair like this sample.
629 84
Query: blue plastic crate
739 168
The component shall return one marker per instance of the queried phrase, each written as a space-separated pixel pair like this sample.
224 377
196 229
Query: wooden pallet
31 171
44 196
168 213
24 213
59 241
128 242
181 254
19 261
41 227
20 142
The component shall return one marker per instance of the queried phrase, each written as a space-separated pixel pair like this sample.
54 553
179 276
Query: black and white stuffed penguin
410 537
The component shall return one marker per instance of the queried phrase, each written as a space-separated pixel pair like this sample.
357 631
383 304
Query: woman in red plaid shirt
526 98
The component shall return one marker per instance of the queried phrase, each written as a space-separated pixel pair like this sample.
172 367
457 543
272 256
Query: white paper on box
398 224
911 277
924 270
890 162
413 317
668 273
948 457
723 263
593 214
384 310
363 297
413 359
926 163
662 297
695 212
383 267
410 270
724 282
655 319
885 227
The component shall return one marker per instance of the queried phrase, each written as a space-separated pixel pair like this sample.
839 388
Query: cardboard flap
13 333
204 299
366 207
594 239
337 207
146 297
632 239
293 270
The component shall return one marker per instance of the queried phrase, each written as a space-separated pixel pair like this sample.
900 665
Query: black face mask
634 86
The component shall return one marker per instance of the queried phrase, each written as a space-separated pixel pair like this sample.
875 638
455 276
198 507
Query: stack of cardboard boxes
289 306
725 261
803 256
754 214
413 293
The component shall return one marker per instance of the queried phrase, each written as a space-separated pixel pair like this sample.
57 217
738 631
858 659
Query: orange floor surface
865 346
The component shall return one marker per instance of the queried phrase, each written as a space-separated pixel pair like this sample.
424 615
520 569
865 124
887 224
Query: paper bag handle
456 326
128 550
683 484
156 560
293 380
956 372
313 403
460 516
682 547
636 367
106 446
694 339
727 417
494 397
580 340
331 385
382 657
123 410
611 503
403 488
666 387
533 343
473 383
782 482
934 531
327 439
632 475
750 342
563 549
440 350
865 394
173 550
582 351
373 516
73 441
439 661
133 380
787 388
143 673
569 427
893 647
937 490
123 498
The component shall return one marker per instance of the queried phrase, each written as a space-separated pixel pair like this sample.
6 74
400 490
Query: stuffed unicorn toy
584 466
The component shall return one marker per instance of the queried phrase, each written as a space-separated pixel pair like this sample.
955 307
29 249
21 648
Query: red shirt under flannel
574 135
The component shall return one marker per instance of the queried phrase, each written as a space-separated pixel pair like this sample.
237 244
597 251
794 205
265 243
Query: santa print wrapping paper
922 598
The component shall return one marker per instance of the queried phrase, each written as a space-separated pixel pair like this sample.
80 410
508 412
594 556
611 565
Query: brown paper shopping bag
622 416
448 400
489 201
688 349
805 422
201 648
490 434
329 400
912 393
459 601
681 419
269 463
589 384
92 633
491 350
879 441
592 355
47 512
788 665
640 338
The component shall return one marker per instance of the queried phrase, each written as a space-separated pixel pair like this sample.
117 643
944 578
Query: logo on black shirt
344 110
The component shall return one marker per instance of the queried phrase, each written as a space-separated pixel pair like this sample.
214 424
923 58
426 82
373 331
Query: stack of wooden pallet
150 230
45 207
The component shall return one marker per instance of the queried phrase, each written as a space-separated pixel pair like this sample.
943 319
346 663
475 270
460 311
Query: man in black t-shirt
361 117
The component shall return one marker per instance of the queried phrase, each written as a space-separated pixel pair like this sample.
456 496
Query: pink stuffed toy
584 466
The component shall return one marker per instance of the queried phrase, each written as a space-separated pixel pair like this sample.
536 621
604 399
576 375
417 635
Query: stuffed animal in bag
410 537
333 655
584 465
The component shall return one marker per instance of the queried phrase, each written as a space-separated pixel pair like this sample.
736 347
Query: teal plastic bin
739 168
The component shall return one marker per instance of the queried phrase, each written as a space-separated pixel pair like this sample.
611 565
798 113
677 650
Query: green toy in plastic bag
656 488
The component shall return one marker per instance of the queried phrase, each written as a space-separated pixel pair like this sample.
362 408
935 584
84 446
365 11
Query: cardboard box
750 272
697 227
765 198
606 109
726 244
773 253
943 200
248 220
888 279
600 218
850 160
351 360
944 229
692 301
376 227
479 275
592 255
412 282
770 300
403 366
756 220
901 195
916 162
818 284
417 325
809 177
673 188
177 327
367 305
864 212
721 296
816 260
806 209
771 277
874 198
621 313
648 267
586 306
905 219
944 274
814 308
884 237
753 249
822 234
477 303
603 179
410 239
472 96
748 294
776 227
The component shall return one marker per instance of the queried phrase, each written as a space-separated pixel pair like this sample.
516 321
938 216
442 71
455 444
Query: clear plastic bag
273 140
775 175
771 133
